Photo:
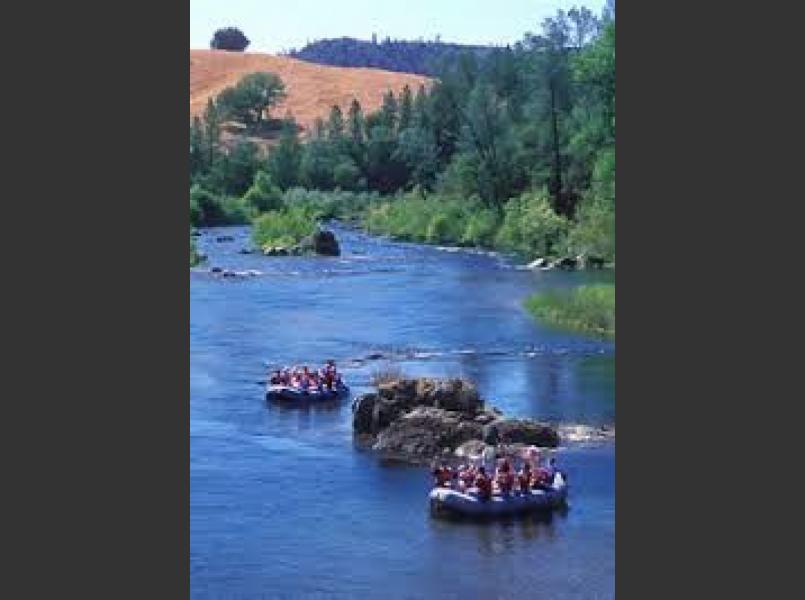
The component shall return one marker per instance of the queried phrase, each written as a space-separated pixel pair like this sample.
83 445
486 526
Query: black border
99 335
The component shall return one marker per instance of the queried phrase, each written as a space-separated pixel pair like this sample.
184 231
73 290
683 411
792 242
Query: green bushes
195 257
284 227
209 210
436 219
594 232
263 195
589 308
331 205
481 228
531 227
528 225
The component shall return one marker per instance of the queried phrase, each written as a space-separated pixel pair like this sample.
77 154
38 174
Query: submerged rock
269 250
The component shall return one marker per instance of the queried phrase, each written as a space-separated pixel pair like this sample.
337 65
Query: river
283 505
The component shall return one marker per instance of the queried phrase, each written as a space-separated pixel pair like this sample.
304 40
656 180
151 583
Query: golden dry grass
312 89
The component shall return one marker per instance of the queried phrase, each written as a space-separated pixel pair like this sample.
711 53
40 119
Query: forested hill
422 57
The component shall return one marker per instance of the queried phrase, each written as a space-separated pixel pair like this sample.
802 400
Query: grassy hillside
312 89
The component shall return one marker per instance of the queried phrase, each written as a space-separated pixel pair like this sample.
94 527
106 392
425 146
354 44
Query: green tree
284 160
317 165
346 174
355 119
388 111
197 154
233 172
385 172
489 146
263 195
212 131
420 110
417 149
229 38
594 71
335 125
251 98
406 109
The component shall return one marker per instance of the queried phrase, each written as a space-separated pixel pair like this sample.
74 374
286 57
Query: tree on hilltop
229 38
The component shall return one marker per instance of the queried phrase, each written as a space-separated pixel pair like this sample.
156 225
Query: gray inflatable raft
446 501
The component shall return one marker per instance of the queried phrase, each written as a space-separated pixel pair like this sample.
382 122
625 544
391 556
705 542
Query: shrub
481 228
594 232
331 205
210 210
283 227
531 227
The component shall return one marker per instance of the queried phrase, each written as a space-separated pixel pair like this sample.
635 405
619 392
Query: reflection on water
283 504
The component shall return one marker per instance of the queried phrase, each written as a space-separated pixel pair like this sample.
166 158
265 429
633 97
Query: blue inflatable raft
284 393
447 501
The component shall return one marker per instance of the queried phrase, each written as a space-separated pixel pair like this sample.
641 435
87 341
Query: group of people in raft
302 378
502 478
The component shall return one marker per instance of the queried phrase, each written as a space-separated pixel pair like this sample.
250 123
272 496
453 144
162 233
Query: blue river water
284 505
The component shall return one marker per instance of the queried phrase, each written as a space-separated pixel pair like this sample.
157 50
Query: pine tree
212 131
285 159
197 154
335 125
356 124
388 111
406 109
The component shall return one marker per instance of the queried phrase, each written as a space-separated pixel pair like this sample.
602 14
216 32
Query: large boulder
420 419
424 433
525 431
363 412
567 263
322 242
372 413
448 394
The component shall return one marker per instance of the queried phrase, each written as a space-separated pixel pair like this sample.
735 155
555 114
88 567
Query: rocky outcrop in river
323 242
416 420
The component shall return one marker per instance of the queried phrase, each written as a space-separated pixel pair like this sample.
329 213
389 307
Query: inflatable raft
284 393
446 501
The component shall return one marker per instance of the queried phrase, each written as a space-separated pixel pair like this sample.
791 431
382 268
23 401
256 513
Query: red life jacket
484 485
443 475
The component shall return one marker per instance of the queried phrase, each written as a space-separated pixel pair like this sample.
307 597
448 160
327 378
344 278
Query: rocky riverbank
417 420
